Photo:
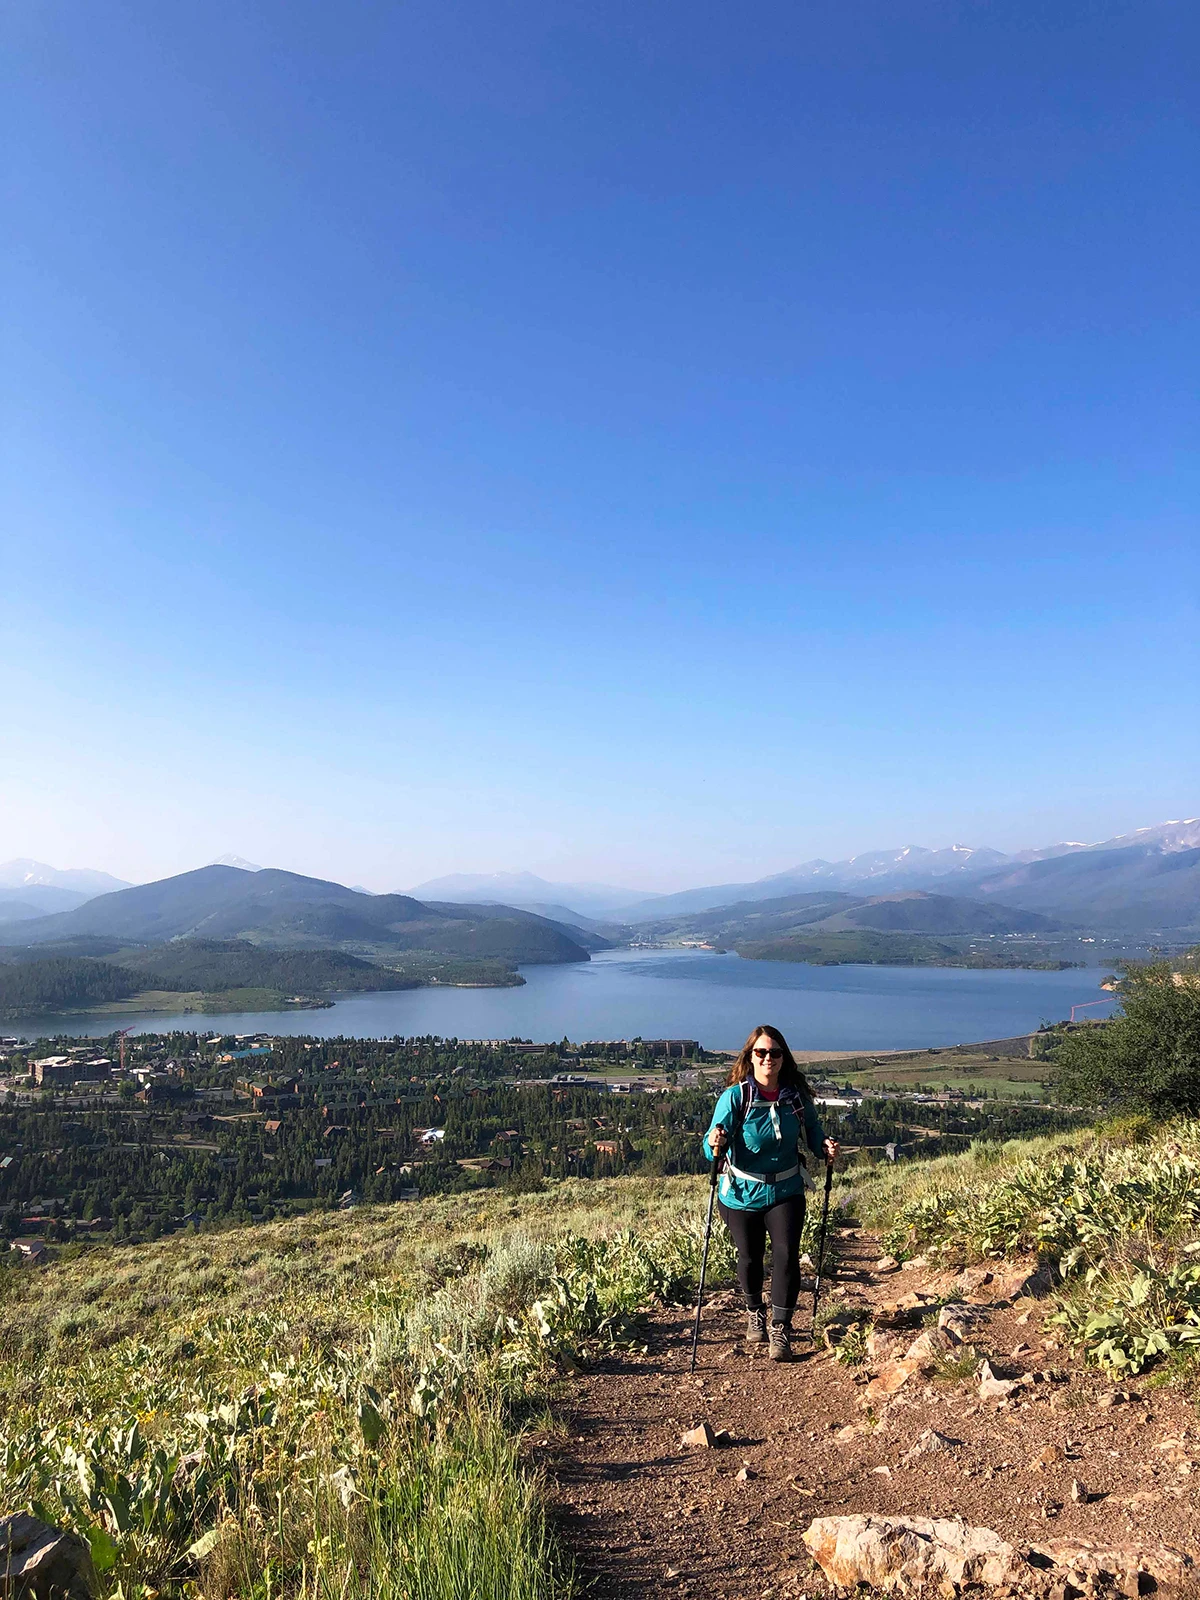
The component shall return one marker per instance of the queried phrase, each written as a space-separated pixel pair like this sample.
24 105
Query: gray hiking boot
756 1325
781 1342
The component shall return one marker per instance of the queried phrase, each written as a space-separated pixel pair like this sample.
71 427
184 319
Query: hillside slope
914 911
833 911
39 900
19 911
822 1438
1137 888
334 1401
339 1399
288 910
202 967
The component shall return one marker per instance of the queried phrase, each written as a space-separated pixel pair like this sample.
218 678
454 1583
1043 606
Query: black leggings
784 1221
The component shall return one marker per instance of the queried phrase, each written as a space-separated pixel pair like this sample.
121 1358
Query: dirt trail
643 1515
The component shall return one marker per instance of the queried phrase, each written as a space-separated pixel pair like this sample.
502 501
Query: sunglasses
768 1055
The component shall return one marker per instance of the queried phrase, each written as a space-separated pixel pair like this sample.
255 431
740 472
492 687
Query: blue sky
649 444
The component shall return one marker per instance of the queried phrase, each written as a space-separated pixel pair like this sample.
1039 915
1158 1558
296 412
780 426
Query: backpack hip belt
762 1177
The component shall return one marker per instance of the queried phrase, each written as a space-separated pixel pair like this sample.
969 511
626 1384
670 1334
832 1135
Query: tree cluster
343 1120
1147 1058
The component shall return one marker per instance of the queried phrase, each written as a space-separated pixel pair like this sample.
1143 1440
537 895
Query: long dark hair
790 1076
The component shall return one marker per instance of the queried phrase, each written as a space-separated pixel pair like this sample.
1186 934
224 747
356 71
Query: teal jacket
772 1139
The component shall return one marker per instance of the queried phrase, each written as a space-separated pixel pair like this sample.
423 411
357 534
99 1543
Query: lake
621 994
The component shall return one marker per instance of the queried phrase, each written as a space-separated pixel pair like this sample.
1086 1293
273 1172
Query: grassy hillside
975 1071
326 1406
1115 1215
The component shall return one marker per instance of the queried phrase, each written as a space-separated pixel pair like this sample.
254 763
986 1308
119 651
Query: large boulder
38 1562
1124 1569
911 1553
943 1555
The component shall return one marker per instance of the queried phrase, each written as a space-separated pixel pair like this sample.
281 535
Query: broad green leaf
103 1548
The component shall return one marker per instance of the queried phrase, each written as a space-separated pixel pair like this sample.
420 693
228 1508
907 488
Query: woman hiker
765 1122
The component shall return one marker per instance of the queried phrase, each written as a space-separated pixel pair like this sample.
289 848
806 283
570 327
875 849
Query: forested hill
288 910
187 967
906 928
63 981
831 911
215 964
866 948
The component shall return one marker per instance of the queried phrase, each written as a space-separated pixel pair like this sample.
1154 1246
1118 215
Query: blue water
717 999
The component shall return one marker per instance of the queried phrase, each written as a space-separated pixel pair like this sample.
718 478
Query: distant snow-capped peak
24 873
1183 834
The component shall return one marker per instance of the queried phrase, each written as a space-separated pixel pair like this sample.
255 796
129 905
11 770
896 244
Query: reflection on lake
622 994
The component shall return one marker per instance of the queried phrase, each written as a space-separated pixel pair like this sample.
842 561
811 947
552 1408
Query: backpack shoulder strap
797 1103
742 1104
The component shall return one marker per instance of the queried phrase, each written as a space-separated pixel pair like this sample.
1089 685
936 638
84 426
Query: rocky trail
1060 1483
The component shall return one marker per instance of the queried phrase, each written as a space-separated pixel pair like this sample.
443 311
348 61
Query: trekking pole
712 1195
821 1243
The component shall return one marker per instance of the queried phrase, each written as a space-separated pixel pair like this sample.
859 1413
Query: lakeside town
132 1137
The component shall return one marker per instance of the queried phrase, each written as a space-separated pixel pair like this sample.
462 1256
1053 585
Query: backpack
792 1098
749 1087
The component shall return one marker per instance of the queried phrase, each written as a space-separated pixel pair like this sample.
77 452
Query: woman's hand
832 1148
717 1140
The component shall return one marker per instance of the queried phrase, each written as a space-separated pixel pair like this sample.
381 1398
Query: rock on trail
945 1555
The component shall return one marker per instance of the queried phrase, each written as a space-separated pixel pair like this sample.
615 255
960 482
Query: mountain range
1136 884
32 888
288 911
1140 881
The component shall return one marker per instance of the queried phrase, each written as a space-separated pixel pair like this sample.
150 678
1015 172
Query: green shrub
1117 1212
1148 1057
1131 1315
